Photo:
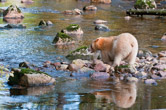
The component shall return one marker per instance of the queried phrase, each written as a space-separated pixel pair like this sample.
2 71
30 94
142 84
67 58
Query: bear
115 49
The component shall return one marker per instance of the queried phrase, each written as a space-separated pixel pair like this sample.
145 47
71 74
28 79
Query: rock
36 80
73 67
141 75
101 1
162 59
127 17
162 54
57 64
144 53
27 1
78 62
100 67
150 81
49 23
100 75
95 62
12 26
24 64
162 73
90 8
85 70
163 38
47 64
102 27
145 4
63 39
131 79
160 67
73 29
28 77
13 12
155 77
63 67
73 12
13 21
99 22
80 53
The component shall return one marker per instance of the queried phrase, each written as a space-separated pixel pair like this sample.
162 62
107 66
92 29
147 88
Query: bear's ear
97 40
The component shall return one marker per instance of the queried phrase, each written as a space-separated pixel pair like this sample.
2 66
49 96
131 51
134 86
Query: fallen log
159 12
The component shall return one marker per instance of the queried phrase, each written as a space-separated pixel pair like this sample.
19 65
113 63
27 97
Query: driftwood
159 12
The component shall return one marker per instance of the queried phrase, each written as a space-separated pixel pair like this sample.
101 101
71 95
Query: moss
62 36
14 80
165 69
79 49
72 27
123 66
142 4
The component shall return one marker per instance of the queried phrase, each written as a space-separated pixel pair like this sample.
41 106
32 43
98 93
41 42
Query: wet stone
162 54
24 64
102 27
150 82
90 8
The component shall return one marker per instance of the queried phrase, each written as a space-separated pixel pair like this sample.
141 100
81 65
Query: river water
35 45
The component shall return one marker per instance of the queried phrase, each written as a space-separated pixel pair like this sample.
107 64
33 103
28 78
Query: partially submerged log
159 12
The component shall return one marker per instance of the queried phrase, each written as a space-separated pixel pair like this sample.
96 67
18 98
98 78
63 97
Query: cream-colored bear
115 49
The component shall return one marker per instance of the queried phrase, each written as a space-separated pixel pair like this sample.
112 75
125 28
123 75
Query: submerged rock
150 81
145 4
101 1
13 26
102 27
45 23
73 12
90 8
13 12
28 77
73 29
63 39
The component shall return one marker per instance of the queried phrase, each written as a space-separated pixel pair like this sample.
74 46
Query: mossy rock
42 23
80 53
80 49
18 73
11 8
73 27
144 4
62 36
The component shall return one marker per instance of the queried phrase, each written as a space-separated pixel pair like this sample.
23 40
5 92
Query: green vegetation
62 36
123 66
80 49
143 4
72 27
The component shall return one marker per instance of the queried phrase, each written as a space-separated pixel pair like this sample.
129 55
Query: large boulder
145 4
28 77
63 39
13 12
73 29
101 1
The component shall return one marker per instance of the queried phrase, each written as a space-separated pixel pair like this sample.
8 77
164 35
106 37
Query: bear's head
96 45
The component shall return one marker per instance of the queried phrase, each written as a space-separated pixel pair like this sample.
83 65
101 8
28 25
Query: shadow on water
35 46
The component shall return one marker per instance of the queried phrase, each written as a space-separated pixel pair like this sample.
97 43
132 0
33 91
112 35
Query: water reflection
122 94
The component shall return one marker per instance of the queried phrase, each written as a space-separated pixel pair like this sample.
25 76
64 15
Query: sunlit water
35 46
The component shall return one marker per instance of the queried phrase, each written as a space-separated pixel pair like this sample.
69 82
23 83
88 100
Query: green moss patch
72 27
61 35
80 49
142 4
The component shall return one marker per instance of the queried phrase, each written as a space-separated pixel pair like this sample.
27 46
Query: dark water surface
35 46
